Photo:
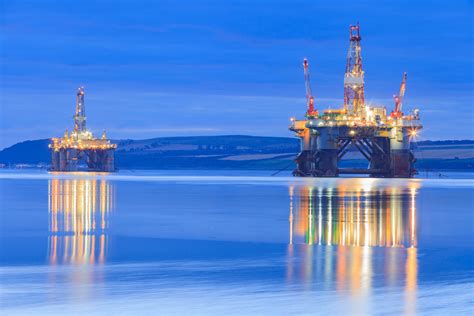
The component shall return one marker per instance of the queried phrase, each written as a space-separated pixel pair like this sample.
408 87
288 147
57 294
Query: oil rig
80 145
383 139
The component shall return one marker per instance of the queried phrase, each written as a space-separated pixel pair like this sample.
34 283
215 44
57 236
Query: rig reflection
355 213
337 233
78 220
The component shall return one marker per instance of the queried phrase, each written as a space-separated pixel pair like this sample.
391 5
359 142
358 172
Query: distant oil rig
80 145
384 140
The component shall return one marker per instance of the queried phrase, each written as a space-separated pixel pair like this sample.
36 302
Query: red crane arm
399 98
309 93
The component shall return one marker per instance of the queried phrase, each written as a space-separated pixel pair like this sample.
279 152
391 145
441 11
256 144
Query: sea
235 243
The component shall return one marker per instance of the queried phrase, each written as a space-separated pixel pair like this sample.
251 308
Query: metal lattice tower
80 115
354 76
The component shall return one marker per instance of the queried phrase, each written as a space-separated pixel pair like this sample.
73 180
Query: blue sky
171 68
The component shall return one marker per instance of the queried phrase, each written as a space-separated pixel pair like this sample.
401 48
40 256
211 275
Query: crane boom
397 112
309 93
307 83
398 105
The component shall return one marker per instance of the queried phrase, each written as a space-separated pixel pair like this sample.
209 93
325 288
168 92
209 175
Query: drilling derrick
354 75
327 137
81 145
80 115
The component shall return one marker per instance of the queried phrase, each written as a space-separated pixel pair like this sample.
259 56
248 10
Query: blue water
235 243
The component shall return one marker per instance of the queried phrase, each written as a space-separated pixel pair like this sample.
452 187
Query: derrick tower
80 115
354 75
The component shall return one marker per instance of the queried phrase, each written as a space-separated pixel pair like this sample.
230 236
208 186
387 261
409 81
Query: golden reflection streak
289 266
355 215
411 267
411 271
291 214
74 221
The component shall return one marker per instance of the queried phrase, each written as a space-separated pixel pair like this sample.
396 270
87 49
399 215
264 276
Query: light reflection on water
354 214
342 225
78 220
339 241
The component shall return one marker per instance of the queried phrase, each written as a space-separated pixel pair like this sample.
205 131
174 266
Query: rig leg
402 164
401 157
326 157
91 159
304 164
304 160
380 159
109 161
71 160
62 160
54 160
326 165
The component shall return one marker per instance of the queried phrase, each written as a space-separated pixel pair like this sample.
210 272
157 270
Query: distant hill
197 152
27 152
233 152
204 152
231 144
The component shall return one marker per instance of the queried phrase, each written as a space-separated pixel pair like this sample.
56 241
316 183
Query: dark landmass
234 152
27 152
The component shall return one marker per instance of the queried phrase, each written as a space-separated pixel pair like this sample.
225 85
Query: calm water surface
156 243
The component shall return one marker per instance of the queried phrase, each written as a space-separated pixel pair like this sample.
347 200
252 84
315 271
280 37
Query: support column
380 159
109 161
326 155
62 160
71 156
54 160
92 159
401 158
304 160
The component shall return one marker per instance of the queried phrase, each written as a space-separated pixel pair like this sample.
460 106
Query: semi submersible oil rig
384 140
80 145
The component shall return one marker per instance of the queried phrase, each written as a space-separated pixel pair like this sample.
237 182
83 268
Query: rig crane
309 95
397 112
